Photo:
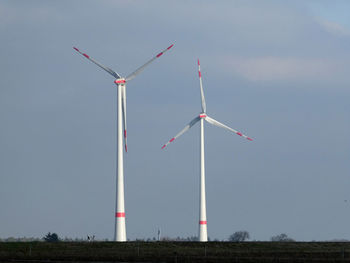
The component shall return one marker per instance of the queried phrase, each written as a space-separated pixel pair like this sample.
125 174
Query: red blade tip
76 49
163 146
198 63
170 46
250 139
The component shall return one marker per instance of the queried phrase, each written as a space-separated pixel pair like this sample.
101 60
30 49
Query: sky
277 71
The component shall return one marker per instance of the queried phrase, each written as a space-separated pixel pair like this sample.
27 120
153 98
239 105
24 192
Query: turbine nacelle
120 81
202 115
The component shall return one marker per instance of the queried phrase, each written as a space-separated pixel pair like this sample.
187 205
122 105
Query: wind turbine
120 230
203 235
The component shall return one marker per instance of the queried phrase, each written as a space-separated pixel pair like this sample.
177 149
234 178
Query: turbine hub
119 81
202 115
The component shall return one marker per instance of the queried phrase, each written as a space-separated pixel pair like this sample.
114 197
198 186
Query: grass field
175 252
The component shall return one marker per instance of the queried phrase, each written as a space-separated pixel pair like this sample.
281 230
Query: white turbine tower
203 235
120 230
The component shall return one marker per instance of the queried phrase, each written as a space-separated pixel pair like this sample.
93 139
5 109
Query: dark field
175 252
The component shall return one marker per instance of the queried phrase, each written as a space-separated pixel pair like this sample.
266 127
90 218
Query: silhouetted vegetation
51 237
239 236
282 238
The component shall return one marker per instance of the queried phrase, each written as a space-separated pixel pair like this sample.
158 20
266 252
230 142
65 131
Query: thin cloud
334 28
276 68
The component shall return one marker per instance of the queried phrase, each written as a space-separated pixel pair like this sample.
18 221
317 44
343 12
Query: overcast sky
276 70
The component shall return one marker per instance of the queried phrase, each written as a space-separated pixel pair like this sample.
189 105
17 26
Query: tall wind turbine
203 235
120 230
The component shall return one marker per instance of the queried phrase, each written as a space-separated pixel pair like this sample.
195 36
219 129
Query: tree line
238 236
241 236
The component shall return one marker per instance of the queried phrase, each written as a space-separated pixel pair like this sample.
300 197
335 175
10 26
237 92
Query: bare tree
282 238
51 237
239 236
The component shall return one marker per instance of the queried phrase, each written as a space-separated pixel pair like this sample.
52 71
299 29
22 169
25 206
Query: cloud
18 13
272 68
334 28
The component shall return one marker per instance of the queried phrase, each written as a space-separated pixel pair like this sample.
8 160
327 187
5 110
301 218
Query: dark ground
175 252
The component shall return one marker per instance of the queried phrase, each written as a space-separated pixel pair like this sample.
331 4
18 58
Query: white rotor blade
110 71
219 124
124 113
204 106
188 126
136 72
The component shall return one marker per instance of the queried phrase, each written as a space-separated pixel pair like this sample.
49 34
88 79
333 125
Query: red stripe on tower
202 222
119 214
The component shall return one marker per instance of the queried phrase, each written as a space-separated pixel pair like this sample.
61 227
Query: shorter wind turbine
203 235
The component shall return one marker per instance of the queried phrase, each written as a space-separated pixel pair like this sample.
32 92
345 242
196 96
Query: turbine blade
204 106
188 126
137 71
219 124
124 114
110 71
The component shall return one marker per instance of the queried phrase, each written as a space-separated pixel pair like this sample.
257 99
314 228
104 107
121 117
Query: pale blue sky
276 70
